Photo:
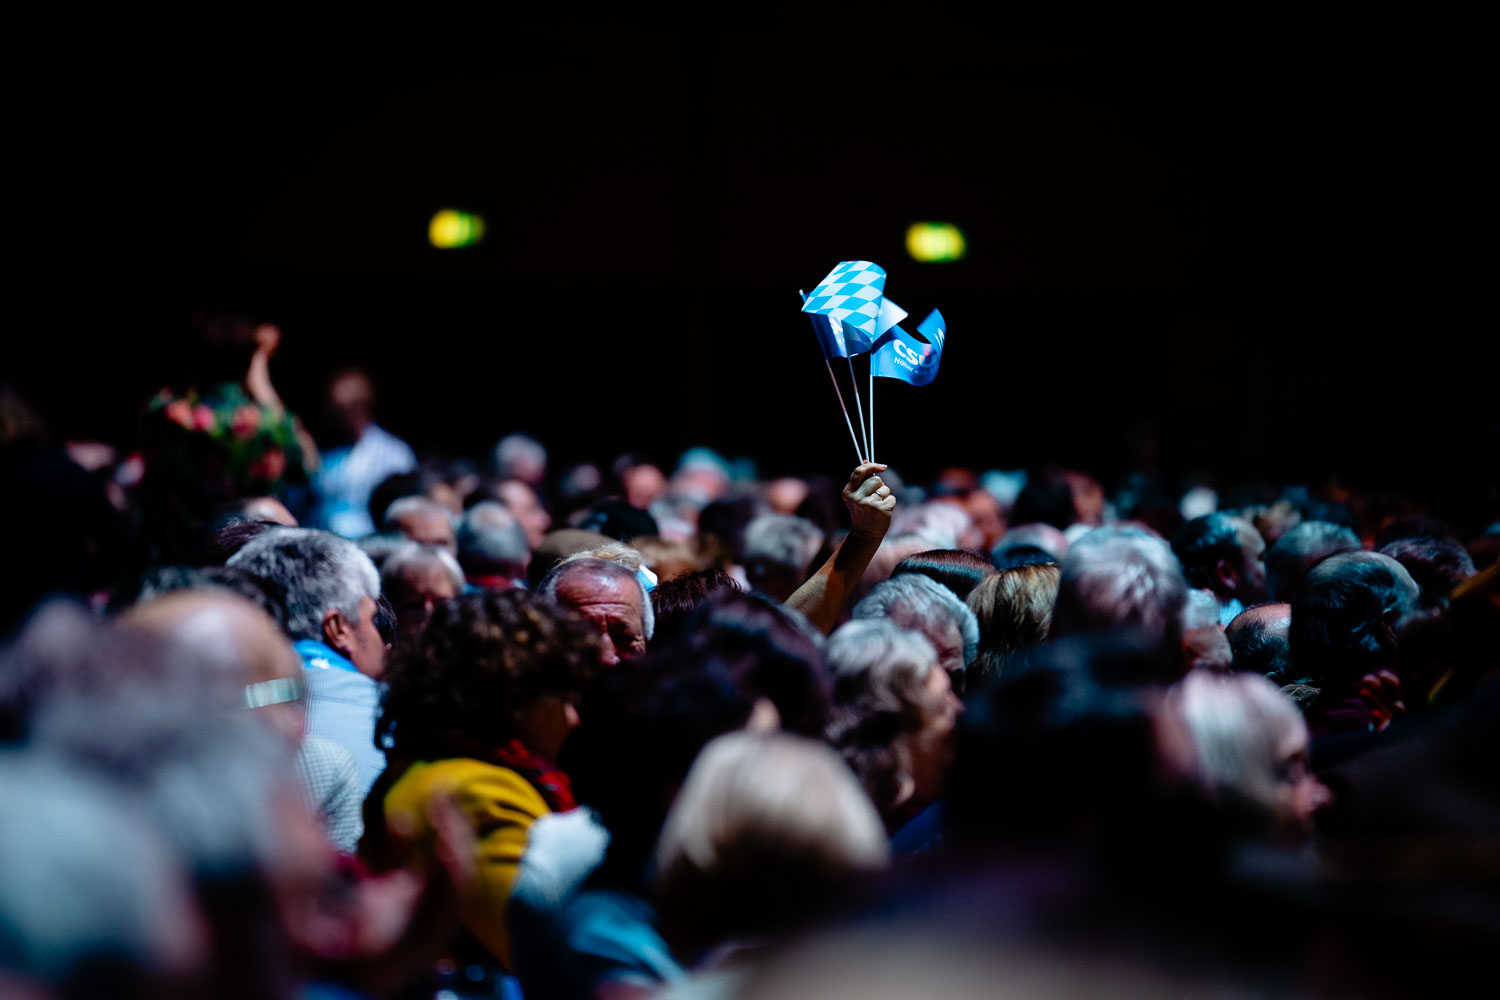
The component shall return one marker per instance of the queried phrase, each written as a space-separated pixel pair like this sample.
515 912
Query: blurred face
363 644
521 501
429 528
612 606
949 643
425 589
1252 586
932 749
1299 793
643 483
543 726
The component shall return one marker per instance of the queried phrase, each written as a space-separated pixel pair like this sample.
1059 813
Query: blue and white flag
830 334
851 297
900 355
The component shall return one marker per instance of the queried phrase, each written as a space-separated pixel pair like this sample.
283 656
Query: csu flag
900 355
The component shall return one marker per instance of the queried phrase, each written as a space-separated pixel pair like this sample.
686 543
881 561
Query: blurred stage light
935 242
450 229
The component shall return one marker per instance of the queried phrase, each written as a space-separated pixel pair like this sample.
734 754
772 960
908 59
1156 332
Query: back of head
664 709
958 570
766 828
315 570
1201 543
778 548
675 601
1046 498
775 654
1437 564
92 902
557 546
1260 641
1346 617
1122 580
618 520
877 660
1014 610
1301 548
1045 752
491 542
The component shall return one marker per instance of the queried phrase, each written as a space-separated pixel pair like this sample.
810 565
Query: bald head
1260 639
233 644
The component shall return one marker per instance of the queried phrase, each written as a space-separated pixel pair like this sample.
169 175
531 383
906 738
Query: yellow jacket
502 805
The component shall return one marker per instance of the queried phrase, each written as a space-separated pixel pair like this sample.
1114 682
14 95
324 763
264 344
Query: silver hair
1121 578
86 876
915 600
490 536
877 657
585 564
1238 724
317 571
782 540
413 555
515 449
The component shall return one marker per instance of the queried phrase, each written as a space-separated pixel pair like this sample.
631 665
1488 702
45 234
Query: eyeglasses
274 692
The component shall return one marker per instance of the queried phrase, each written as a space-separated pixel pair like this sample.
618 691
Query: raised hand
869 501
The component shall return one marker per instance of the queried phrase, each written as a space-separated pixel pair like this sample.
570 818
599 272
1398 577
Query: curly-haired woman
477 711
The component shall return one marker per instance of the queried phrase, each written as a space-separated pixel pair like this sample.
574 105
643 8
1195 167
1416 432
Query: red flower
180 411
203 418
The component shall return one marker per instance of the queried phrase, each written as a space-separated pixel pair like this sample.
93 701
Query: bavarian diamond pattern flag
851 297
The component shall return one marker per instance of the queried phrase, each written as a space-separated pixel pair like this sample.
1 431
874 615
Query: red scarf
552 783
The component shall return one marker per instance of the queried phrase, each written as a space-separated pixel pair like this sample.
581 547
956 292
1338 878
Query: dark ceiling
1242 233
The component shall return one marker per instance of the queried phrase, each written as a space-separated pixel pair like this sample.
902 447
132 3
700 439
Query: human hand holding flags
851 315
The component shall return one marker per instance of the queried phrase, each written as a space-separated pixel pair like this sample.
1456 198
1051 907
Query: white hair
411 505
1120 578
917 601
1239 724
615 560
414 554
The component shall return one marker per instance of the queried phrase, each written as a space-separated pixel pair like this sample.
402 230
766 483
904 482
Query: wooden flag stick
847 422
859 407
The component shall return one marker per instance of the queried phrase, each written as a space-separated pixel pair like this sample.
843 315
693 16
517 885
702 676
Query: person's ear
336 631
906 787
1387 627
1227 575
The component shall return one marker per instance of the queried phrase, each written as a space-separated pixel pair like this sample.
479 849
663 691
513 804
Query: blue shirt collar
321 656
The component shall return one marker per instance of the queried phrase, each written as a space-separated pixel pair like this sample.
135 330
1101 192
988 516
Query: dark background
1247 234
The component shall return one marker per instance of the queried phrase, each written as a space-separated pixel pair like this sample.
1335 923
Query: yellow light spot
450 229
935 242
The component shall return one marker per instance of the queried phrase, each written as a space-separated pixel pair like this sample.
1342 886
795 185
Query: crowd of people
290 715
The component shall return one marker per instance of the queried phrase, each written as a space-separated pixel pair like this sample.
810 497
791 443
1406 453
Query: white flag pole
854 381
839 392
871 359
847 422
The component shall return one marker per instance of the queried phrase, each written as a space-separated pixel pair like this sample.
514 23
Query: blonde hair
766 828
1014 609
